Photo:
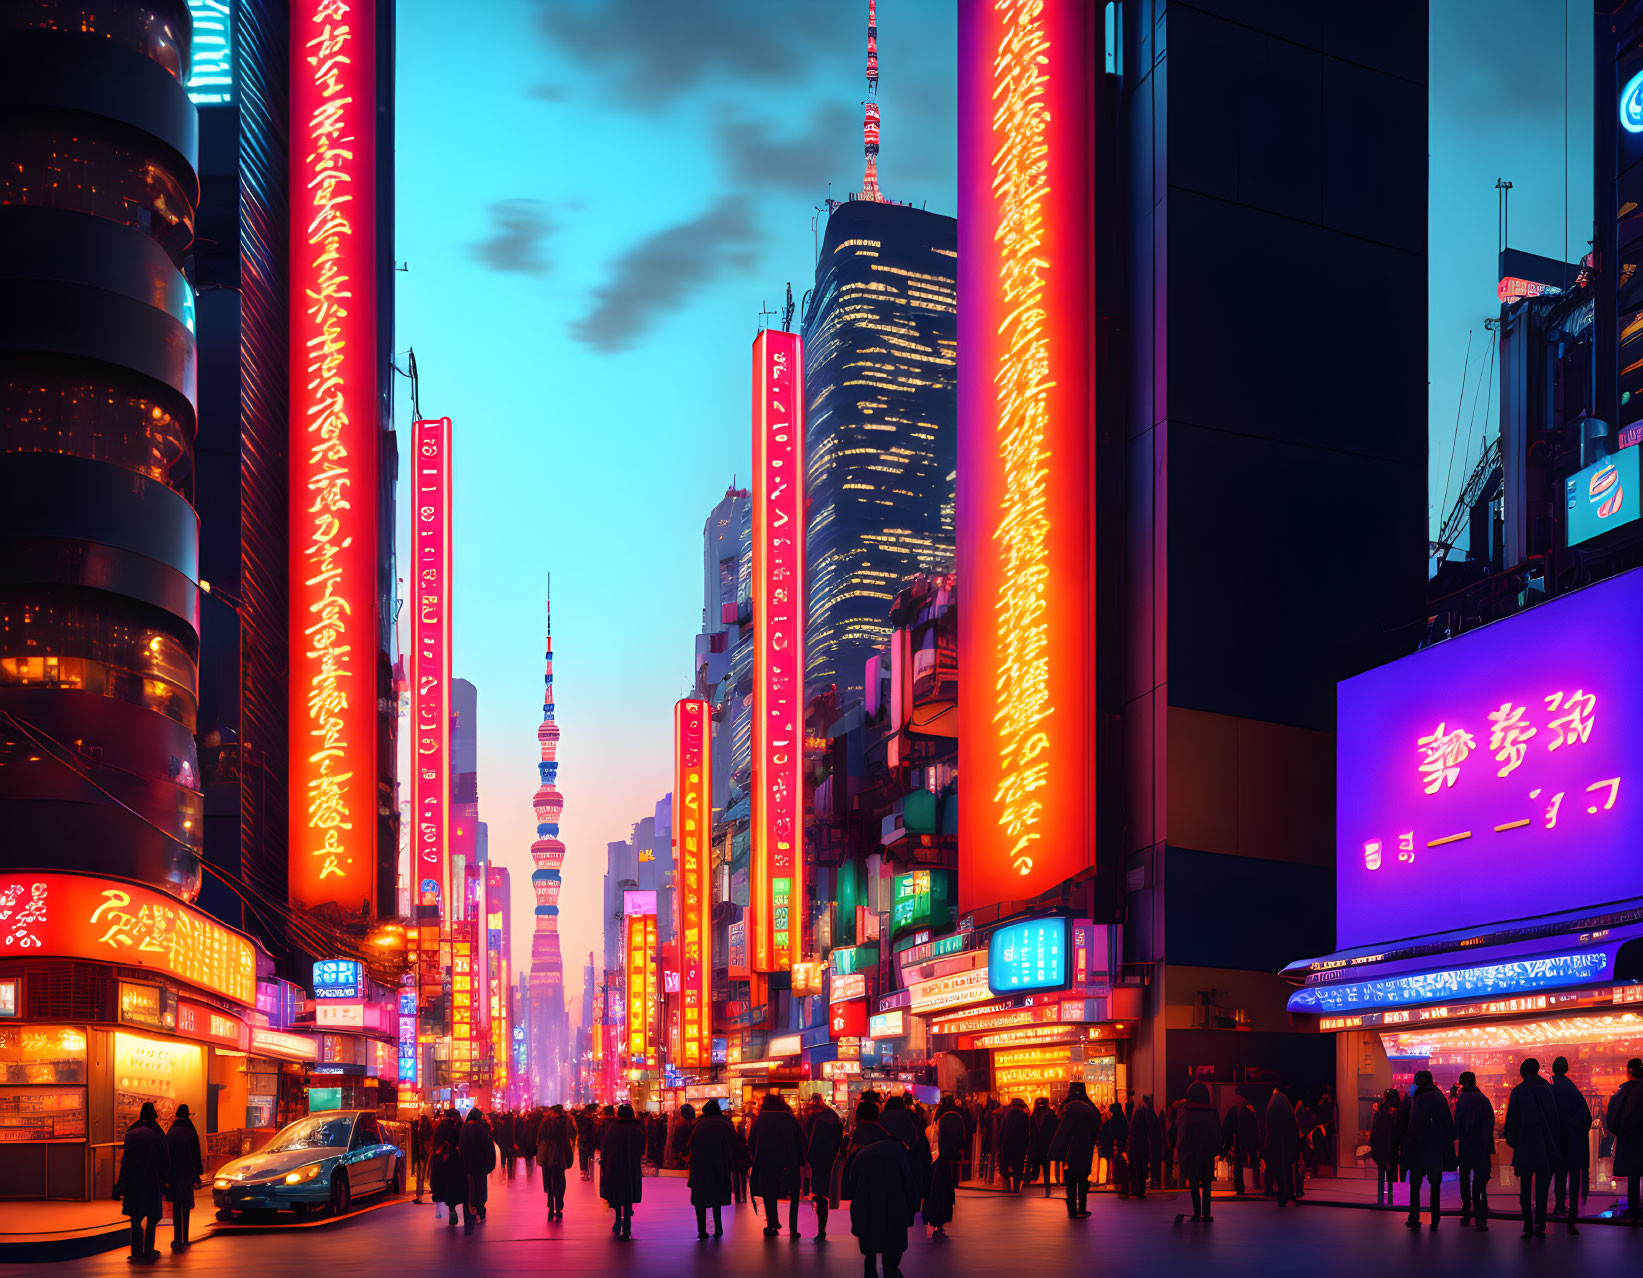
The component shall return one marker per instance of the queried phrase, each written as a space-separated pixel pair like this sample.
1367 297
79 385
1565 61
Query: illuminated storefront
1479 780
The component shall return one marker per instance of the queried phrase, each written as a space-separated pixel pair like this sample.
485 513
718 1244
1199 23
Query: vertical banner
692 837
1028 75
778 650
431 663
333 454
641 983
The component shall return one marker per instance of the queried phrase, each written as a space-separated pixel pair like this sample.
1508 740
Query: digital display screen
1602 497
339 978
1028 956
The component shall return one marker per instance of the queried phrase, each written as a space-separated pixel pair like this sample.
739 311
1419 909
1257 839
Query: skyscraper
880 338
547 983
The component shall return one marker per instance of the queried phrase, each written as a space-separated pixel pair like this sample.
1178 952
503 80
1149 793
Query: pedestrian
1244 1148
744 1161
1040 1133
952 1142
775 1143
478 1148
555 1150
187 1167
587 1119
621 1169
446 1176
1429 1148
1172 1134
824 1141
679 1145
1475 1149
1283 1146
878 1180
1145 1144
1076 1134
1197 1140
1623 1116
900 1117
1327 1115
655 1129
502 1134
1531 1130
1014 1136
1117 1133
712 1165
1382 1127
145 1167
530 1138
1400 1125
422 1148
1572 1181
1306 1165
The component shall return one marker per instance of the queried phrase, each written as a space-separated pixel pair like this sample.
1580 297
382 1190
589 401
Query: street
992 1234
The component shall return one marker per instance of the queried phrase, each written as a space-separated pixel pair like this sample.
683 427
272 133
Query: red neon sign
431 660
778 650
333 453
692 837
1026 447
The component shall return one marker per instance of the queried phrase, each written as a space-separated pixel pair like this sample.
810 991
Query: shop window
39 1065
154 1069
42 1054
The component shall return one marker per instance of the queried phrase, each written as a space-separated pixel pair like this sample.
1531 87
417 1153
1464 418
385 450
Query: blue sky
598 197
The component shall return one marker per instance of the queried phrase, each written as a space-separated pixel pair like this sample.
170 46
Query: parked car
324 1160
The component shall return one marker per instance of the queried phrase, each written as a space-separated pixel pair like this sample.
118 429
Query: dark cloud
660 273
803 162
654 50
550 93
521 228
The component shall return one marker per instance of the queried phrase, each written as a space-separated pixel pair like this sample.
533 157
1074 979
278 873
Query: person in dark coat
684 1123
1040 1133
824 1141
899 1116
587 1119
1571 1183
1146 1143
1429 1147
555 1151
952 1154
529 1137
1074 1145
1382 1129
775 1143
422 1149
183 1145
1014 1136
145 1169
1241 1143
622 1168
1532 1131
1115 1140
1623 1116
712 1165
1282 1148
882 1189
478 1147
744 1160
1475 1149
446 1177
1197 1141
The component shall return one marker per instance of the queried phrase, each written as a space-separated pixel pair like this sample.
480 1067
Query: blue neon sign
339 978
1631 105
1493 980
1028 956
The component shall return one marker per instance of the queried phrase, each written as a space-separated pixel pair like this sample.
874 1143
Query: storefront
127 996
1486 814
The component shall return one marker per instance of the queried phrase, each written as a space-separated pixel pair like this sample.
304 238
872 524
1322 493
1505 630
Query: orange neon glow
692 837
431 664
641 985
333 454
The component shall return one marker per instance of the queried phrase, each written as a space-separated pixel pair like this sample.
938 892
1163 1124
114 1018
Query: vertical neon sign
333 453
641 982
1026 453
431 661
692 837
778 650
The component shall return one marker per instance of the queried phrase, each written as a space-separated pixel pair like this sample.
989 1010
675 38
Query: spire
870 117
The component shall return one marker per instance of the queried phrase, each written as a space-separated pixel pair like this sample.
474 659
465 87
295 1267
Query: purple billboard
1489 777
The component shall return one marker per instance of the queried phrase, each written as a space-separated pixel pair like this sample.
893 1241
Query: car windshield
322 1132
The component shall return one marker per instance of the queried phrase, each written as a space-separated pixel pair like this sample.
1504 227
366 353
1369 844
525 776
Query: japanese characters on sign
333 453
431 659
1485 759
778 651
80 916
692 841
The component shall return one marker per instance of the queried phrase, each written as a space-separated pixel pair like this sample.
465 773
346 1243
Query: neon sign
431 658
1492 979
778 650
641 981
1487 757
333 454
339 979
1031 955
1631 105
692 837
1026 431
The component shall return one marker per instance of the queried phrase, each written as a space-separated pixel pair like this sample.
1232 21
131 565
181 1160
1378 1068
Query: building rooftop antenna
787 310
870 108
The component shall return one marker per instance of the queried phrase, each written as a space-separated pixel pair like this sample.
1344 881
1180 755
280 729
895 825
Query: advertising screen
1028 956
1486 778
1602 497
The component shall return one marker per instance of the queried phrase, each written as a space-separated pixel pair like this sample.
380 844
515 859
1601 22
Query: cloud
802 163
657 275
654 50
521 228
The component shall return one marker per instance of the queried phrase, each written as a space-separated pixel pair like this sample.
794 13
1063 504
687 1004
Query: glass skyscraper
880 334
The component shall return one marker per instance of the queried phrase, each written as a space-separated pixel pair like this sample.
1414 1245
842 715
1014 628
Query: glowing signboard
1487 980
407 1037
641 984
431 656
1485 759
333 454
1603 496
1026 428
956 989
1031 955
692 839
1631 105
339 978
211 64
888 1024
109 921
293 1047
778 651
848 986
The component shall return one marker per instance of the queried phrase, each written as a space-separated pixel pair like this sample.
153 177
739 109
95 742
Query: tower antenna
870 118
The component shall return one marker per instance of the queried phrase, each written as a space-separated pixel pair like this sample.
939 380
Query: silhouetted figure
1014 1134
1197 1140
712 1167
1475 1149
478 1162
824 1141
555 1151
1076 1135
1571 1183
622 1169
1532 1132
183 1146
776 1145
1623 1116
145 1166
1283 1146
1429 1146
883 1192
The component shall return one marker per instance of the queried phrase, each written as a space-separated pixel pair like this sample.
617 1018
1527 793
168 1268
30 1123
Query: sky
596 201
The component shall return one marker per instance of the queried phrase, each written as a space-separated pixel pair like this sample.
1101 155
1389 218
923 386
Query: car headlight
304 1174
219 1183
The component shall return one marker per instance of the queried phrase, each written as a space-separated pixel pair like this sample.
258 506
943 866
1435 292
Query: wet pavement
993 1234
